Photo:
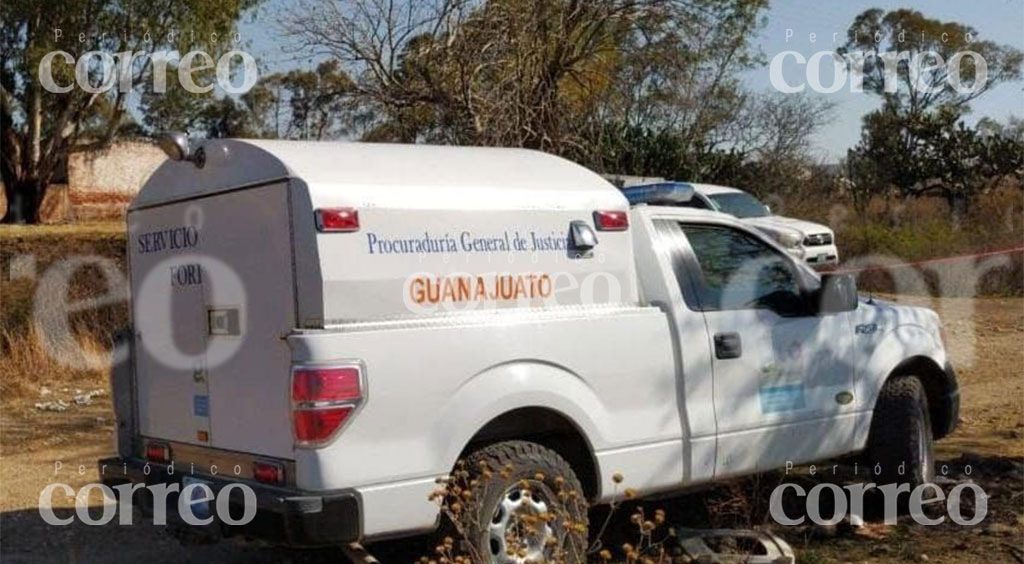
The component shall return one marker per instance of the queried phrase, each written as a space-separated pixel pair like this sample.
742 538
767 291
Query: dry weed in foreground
26 366
543 518
652 534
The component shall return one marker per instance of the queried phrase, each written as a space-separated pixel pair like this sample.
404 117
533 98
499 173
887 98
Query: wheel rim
518 524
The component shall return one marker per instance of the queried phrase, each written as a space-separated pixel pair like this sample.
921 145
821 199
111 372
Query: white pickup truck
335 325
812 242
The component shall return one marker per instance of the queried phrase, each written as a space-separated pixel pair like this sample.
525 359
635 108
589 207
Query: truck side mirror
838 293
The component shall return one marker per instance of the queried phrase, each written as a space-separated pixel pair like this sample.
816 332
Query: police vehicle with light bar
812 242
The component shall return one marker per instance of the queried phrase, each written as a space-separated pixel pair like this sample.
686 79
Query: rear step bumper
283 515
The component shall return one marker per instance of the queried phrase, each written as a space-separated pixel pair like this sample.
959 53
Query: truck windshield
739 204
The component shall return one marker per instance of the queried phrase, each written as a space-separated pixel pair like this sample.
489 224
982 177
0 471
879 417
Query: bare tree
774 127
372 39
542 74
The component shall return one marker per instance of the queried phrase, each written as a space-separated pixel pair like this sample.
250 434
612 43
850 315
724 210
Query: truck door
782 375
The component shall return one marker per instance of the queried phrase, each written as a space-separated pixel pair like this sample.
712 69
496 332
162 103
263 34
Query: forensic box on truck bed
334 325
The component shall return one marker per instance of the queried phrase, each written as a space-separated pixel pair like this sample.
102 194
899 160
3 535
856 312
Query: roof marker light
611 220
337 220
663 193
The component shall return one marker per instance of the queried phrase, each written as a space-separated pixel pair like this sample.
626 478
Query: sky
1001 21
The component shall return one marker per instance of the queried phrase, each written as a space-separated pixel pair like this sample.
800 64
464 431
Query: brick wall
101 184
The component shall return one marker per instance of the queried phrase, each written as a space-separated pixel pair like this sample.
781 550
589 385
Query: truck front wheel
524 504
900 446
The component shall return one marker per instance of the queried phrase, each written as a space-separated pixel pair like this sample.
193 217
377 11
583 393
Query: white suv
812 242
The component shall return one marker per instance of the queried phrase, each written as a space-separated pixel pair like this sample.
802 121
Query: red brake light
268 472
326 384
158 452
318 425
612 220
337 219
323 397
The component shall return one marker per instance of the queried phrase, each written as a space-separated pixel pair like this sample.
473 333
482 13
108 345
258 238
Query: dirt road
987 346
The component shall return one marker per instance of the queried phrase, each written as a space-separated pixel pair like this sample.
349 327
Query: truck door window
738 271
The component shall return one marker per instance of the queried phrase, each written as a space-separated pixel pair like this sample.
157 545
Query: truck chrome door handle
728 345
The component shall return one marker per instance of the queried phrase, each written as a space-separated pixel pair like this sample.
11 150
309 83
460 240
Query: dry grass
923 229
27 252
111 198
28 362
27 365
11 233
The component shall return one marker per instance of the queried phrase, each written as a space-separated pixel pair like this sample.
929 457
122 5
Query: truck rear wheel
525 504
900 446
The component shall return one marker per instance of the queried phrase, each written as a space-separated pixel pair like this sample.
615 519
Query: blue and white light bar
663 193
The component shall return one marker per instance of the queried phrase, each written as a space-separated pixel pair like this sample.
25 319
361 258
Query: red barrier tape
929 261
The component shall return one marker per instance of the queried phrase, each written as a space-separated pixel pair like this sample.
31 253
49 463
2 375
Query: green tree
40 128
678 77
299 104
922 103
175 109
318 101
906 59
964 161
948 158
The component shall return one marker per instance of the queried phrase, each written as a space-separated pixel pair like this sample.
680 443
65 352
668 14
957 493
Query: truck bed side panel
611 374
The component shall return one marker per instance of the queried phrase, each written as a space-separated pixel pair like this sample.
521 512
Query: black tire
900 440
497 473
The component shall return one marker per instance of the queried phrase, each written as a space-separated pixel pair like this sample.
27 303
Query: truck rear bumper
283 515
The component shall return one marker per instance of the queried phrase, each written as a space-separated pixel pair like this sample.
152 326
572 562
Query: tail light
158 452
268 472
337 219
613 220
323 398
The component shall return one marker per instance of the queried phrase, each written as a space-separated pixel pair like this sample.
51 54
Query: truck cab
797 358
776 359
